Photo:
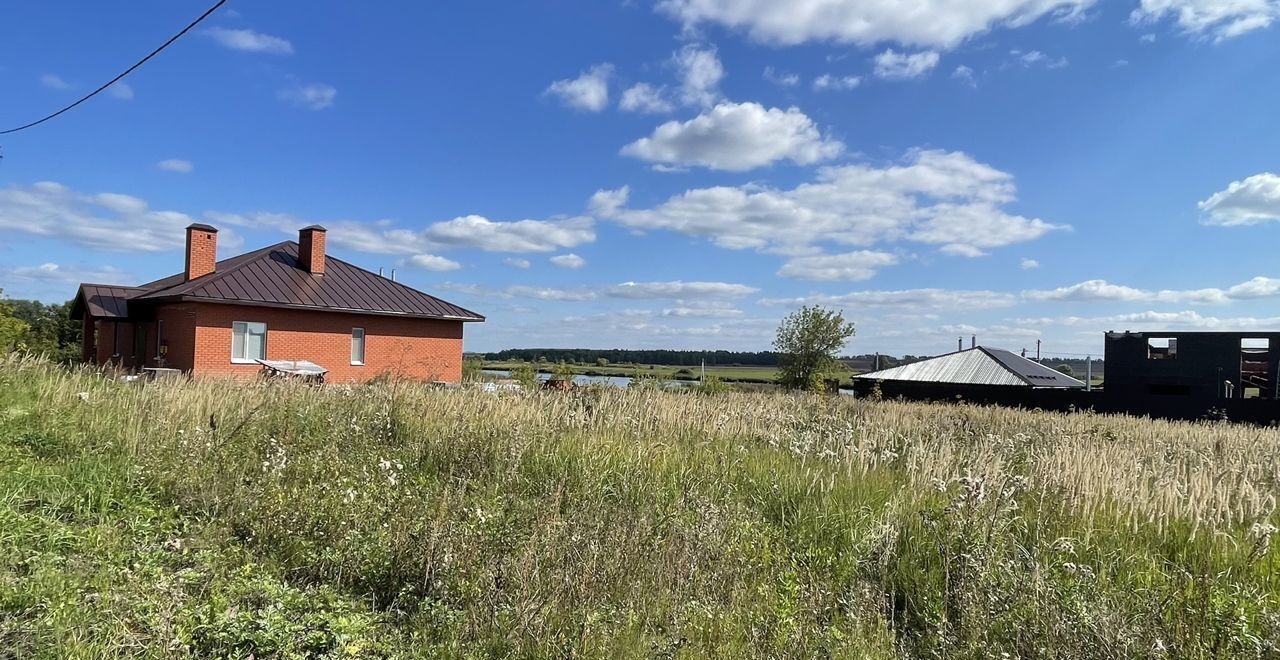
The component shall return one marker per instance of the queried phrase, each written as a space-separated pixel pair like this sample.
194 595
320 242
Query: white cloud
121 91
570 260
1220 19
936 197
517 236
1258 287
470 231
51 273
589 91
1147 39
923 299
1028 264
102 221
962 250
1101 290
1153 320
608 203
517 263
176 165
312 96
643 97
248 40
53 81
1028 59
736 137
679 290
965 75
851 266
431 262
827 81
522 291
687 294
1254 200
700 75
704 312
929 23
891 65
780 78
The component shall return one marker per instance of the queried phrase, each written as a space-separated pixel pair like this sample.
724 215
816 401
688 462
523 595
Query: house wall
179 335
421 349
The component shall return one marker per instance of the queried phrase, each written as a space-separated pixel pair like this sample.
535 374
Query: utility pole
1037 350
1088 373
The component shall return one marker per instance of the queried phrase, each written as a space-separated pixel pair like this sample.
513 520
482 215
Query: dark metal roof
978 366
272 277
103 301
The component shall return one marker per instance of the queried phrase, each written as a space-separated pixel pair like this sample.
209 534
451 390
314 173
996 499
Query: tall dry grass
609 522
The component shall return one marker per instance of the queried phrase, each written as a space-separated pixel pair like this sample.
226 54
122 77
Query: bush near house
214 519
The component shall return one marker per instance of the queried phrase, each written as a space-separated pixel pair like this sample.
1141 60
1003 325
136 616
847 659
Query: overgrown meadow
221 519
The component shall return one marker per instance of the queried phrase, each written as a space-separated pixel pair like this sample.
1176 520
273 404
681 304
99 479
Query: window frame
363 346
243 343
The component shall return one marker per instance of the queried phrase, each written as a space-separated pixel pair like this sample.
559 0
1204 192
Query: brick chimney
311 249
202 250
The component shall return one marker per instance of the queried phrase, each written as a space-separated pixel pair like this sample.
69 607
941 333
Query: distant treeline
618 356
679 358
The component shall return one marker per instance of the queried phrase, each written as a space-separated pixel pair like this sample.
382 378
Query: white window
357 346
248 341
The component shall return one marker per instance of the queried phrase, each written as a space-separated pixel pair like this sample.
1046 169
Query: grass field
216 519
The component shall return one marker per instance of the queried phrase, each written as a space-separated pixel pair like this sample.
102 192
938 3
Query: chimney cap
313 228
202 227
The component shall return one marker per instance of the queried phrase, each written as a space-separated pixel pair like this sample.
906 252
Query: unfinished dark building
1185 375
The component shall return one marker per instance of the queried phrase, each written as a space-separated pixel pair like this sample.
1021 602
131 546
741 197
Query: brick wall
177 327
202 252
421 349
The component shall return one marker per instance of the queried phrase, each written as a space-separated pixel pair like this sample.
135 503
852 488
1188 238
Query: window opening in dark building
1255 368
1162 348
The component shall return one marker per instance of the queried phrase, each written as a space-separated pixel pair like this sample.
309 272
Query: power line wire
127 71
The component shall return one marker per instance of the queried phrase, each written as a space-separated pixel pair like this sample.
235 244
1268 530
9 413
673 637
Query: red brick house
288 301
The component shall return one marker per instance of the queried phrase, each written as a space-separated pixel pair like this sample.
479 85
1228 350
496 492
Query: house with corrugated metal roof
980 366
285 302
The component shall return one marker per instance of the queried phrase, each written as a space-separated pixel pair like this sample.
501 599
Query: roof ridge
1004 366
245 259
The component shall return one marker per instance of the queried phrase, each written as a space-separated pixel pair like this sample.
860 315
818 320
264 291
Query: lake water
616 381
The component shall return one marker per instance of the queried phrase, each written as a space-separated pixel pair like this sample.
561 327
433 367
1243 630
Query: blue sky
679 173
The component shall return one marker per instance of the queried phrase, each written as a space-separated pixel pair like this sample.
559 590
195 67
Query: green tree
13 330
562 371
50 330
471 369
526 374
807 342
1066 370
